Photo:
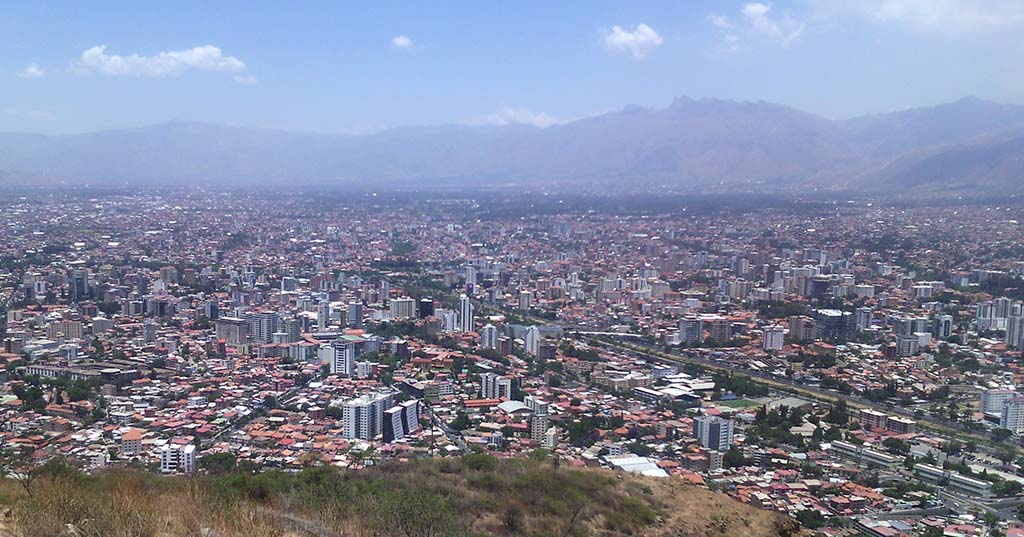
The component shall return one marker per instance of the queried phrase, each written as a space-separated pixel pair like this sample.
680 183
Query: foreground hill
477 495
707 144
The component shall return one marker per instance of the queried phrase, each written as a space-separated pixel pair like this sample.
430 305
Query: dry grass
453 497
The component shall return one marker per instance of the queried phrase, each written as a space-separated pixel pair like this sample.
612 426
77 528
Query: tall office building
943 327
835 325
426 307
355 314
465 314
489 337
363 417
78 285
713 432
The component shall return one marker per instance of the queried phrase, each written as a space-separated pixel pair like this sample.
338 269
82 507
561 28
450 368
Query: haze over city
659 269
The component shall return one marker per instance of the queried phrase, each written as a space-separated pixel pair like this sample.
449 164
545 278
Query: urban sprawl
853 364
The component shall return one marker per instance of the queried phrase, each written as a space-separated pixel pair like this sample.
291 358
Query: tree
999 434
1006 453
811 518
733 458
270 401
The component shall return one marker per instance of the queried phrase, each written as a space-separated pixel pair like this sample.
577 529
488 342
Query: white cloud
246 79
948 17
401 42
721 22
640 41
759 16
31 70
518 116
162 65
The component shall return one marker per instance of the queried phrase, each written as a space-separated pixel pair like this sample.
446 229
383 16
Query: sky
333 66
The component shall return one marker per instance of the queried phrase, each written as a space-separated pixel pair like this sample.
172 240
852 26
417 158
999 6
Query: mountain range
706 144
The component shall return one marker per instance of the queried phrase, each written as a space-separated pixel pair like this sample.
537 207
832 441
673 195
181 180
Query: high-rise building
538 427
493 386
1013 415
402 308
233 330
363 417
355 314
1014 331
149 331
531 341
943 327
992 401
401 420
719 329
323 315
426 308
466 314
691 331
536 405
525 300
774 338
713 432
262 325
835 325
489 337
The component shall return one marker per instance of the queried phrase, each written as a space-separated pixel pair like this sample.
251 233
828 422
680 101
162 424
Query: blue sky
346 67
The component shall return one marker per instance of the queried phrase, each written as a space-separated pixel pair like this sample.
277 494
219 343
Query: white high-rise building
774 338
402 308
993 401
363 417
531 341
493 386
713 432
1013 415
489 337
465 314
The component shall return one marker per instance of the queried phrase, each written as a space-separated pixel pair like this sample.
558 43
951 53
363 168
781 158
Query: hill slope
477 495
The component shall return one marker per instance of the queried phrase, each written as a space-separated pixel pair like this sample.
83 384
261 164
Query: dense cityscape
851 364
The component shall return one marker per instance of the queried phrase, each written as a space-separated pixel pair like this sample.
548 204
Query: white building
489 337
1013 415
465 314
178 458
774 338
363 417
402 308
531 341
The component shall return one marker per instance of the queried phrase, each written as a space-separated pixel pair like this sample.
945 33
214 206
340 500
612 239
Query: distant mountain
707 144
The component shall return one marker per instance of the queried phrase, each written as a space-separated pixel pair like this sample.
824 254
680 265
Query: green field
738 403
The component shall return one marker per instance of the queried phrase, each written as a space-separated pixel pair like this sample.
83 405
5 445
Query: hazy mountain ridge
691 143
